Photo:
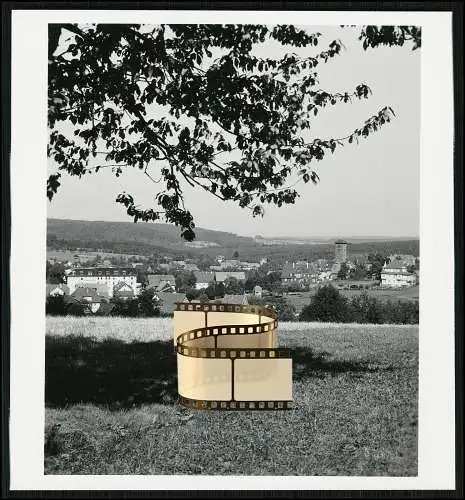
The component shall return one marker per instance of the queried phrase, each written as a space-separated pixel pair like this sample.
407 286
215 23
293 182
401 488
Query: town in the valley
94 285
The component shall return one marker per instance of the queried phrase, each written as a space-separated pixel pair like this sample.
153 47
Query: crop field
111 404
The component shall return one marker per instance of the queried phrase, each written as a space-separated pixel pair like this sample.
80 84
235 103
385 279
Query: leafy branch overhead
193 104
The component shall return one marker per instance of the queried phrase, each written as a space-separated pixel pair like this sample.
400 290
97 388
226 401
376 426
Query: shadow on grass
307 364
110 372
122 375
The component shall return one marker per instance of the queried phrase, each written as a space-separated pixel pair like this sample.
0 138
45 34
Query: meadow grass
111 404
300 300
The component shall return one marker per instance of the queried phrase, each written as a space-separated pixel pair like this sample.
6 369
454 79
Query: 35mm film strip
228 358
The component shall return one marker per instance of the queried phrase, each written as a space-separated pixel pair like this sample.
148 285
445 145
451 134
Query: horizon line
274 237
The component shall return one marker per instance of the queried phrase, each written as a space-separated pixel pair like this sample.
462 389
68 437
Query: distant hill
148 239
142 237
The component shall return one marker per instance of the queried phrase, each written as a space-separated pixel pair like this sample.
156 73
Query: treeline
122 247
329 305
140 306
386 247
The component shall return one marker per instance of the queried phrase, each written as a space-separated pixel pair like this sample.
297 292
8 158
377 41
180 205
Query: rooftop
221 276
232 299
100 288
156 279
396 264
84 292
204 276
103 271
398 273
120 285
167 301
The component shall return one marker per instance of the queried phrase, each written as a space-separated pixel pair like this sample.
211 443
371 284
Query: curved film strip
228 358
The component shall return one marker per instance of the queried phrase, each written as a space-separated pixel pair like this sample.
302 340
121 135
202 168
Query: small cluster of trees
55 273
284 309
230 286
329 305
358 272
268 281
185 281
141 306
377 262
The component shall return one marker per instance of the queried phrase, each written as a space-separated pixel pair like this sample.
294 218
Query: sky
369 189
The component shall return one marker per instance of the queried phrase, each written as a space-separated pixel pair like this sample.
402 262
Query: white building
398 280
249 266
82 277
395 275
231 264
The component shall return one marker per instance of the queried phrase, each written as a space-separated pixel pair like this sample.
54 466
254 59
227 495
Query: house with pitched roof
203 279
167 301
299 273
101 288
395 275
88 297
162 282
123 291
235 299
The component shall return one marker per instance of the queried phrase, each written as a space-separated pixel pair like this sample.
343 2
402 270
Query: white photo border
436 459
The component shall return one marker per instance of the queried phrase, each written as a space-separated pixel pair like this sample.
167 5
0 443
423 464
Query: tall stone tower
340 254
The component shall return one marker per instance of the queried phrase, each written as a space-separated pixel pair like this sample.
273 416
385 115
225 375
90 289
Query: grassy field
300 300
111 405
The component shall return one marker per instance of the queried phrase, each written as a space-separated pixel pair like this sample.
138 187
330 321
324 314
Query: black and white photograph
273 165
217 192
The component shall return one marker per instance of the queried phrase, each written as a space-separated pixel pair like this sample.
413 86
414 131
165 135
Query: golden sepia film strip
228 358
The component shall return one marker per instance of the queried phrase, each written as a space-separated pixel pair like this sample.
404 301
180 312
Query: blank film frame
228 358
